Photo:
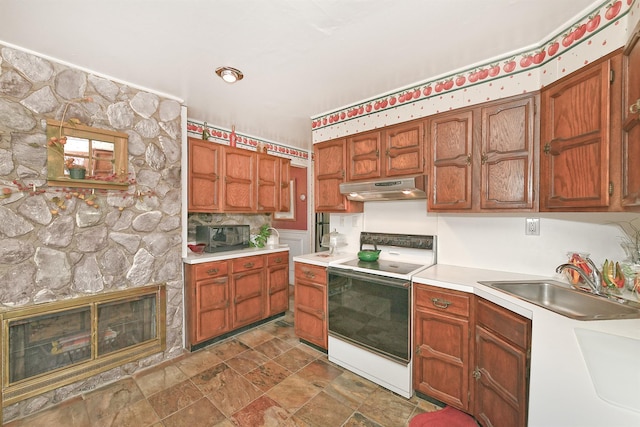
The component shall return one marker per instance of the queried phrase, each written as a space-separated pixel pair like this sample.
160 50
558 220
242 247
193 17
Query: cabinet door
575 126
277 283
284 199
502 352
248 287
442 340
248 297
499 400
268 182
450 156
310 304
403 150
239 193
330 160
208 300
363 151
213 308
631 123
507 178
203 176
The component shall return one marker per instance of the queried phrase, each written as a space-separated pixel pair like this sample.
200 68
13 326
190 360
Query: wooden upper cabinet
403 150
450 156
284 199
507 158
330 160
631 122
203 176
239 184
396 151
363 152
268 183
575 129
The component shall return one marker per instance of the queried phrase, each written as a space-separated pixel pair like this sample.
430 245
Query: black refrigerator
321 229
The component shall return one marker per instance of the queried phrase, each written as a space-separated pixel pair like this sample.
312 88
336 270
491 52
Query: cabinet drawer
210 269
509 325
438 299
247 263
309 272
277 259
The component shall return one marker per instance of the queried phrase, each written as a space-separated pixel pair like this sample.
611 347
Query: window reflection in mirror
97 157
102 152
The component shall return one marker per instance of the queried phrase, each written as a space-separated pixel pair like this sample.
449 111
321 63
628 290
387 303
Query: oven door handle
380 280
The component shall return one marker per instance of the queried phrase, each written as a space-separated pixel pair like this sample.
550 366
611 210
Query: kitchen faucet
594 280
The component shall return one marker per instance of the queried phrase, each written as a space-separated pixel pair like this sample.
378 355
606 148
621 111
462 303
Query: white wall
492 241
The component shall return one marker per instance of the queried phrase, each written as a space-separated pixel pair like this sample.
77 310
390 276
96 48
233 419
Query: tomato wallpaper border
608 13
196 129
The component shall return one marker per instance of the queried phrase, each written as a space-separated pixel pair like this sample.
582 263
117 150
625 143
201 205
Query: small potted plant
75 171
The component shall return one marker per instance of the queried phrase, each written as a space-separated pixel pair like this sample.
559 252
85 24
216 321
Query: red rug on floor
447 417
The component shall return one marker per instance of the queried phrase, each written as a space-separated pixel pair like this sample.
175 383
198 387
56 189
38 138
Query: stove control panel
415 241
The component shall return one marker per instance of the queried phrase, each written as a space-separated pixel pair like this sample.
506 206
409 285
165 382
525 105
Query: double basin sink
569 302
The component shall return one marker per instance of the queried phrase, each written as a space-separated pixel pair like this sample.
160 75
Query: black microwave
219 238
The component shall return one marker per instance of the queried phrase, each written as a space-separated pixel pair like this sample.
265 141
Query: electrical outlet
532 227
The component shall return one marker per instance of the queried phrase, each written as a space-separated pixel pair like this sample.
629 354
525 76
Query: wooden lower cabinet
472 354
442 344
502 361
248 286
310 304
277 283
222 296
208 300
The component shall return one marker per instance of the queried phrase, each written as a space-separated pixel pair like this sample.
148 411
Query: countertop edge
194 258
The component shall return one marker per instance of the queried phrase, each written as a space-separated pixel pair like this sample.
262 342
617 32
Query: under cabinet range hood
386 189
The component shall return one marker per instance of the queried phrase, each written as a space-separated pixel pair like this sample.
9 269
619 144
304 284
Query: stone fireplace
60 245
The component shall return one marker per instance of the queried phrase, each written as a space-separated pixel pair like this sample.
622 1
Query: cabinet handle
248 265
634 108
476 373
484 158
468 159
547 148
278 260
441 303
309 274
212 271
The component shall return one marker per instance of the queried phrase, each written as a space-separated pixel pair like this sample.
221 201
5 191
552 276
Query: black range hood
409 188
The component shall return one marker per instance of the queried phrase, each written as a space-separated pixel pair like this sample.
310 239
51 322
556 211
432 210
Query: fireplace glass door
45 343
48 345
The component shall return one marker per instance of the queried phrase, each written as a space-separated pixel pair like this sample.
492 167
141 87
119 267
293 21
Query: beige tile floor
261 377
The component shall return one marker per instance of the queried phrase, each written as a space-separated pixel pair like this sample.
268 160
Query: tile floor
262 377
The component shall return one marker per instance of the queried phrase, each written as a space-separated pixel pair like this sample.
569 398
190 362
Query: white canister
273 241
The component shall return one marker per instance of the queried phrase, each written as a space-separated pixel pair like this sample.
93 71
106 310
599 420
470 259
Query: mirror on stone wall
83 156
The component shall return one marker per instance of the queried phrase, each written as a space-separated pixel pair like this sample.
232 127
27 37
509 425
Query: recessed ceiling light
229 75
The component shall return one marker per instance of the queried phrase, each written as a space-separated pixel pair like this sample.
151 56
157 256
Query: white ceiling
300 57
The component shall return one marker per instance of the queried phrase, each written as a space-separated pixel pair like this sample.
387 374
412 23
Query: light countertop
323 259
193 258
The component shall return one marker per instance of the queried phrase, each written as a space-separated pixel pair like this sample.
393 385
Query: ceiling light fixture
229 75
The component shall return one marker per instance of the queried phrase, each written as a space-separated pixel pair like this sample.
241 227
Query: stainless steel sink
561 299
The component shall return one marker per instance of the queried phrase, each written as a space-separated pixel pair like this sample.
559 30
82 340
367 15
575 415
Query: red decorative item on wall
232 137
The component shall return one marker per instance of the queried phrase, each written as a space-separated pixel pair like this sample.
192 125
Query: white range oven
370 308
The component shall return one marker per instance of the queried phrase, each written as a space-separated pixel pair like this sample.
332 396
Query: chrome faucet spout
594 280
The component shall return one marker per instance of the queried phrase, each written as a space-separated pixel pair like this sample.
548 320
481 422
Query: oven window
370 311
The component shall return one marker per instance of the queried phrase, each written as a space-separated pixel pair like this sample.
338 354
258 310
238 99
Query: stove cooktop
383 266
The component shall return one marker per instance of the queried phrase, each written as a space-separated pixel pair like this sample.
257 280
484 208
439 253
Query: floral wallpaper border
223 136
596 20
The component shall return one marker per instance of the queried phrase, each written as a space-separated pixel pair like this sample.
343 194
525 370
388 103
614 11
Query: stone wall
122 240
